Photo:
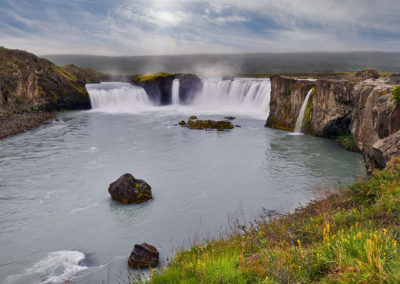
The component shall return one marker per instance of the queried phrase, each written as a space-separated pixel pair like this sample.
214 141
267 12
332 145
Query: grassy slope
348 237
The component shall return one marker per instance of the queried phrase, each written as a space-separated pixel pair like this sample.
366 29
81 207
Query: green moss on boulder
207 124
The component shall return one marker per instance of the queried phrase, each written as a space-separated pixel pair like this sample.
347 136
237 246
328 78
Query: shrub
347 142
396 94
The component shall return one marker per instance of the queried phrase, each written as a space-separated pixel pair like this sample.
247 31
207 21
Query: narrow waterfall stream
300 118
175 92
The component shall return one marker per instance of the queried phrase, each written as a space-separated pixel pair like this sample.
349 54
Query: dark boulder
127 190
369 73
143 256
193 117
230 117
189 86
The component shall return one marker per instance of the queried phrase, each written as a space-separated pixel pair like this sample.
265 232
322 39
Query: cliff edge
359 105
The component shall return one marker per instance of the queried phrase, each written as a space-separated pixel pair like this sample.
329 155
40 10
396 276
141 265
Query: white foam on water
56 267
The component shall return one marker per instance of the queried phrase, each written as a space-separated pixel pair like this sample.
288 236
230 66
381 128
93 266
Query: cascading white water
175 92
241 95
300 118
117 97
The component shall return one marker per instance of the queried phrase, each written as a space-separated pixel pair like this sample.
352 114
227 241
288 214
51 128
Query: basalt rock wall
342 104
30 83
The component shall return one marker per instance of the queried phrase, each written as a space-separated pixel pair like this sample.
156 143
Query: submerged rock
127 190
143 256
193 117
182 123
230 117
207 124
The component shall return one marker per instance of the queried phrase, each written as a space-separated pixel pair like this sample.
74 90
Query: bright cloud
139 27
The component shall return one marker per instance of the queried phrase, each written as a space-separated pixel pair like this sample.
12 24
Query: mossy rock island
207 124
127 189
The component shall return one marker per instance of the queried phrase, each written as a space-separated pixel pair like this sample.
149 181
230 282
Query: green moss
313 91
396 94
273 122
307 119
151 77
289 89
347 142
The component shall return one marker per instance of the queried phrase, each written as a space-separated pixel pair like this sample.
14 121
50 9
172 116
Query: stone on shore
143 256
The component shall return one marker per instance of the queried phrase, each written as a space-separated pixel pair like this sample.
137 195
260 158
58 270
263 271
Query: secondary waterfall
300 118
175 92
241 96
117 97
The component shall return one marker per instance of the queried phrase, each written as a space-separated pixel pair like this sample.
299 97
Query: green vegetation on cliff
347 237
347 142
151 77
396 94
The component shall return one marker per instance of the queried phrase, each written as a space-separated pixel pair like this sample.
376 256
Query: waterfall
117 97
300 118
241 95
175 92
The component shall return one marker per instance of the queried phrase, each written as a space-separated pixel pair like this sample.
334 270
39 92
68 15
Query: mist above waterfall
241 96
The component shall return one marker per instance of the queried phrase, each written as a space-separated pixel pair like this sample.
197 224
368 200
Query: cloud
138 27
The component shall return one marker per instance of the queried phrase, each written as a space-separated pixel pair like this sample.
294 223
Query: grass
347 142
151 77
350 236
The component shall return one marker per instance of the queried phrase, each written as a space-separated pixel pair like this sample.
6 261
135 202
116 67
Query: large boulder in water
189 86
127 190
143 256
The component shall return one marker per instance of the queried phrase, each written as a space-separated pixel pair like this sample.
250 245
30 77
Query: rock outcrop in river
206 124
127 189
158 87
343 104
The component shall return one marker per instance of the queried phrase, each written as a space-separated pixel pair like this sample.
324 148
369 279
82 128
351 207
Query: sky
164 27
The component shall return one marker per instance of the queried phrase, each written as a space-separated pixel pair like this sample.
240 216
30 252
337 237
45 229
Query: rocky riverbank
22 122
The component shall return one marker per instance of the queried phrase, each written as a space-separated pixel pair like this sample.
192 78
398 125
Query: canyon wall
359 105
30 83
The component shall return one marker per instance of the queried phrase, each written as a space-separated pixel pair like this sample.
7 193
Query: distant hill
233 64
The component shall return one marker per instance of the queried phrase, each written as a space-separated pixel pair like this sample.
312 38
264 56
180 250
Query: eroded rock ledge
360 105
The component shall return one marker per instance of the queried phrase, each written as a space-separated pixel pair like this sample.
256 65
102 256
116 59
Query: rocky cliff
30 87
158 87
359 105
